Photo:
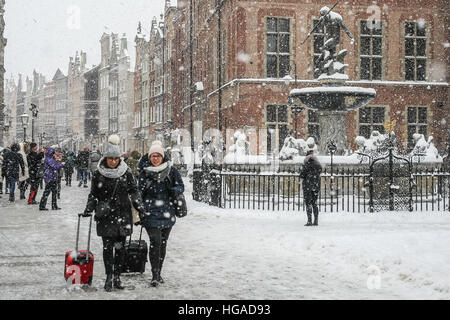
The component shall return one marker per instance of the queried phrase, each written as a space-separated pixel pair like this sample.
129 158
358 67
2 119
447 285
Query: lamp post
331 145
41 139
295 71
296 109
34 113
24 118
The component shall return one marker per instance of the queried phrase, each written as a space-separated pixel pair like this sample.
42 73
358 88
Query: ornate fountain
333 99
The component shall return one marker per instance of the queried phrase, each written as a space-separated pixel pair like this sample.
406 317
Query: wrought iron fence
342 189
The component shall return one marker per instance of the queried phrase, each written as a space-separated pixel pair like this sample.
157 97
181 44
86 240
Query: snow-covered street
234 254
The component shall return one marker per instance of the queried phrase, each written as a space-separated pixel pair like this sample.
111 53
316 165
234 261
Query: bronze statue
329 61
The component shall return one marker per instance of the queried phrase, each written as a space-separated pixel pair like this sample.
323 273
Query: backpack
179 202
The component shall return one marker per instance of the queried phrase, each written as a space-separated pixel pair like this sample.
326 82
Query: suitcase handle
140 237
89 235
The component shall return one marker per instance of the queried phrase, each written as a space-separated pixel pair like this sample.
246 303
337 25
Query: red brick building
242 50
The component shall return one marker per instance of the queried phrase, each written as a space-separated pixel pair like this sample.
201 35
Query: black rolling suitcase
135 255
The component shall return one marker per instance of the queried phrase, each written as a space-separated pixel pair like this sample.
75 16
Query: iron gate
391 183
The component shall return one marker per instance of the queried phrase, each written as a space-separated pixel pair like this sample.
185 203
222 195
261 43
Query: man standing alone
311 186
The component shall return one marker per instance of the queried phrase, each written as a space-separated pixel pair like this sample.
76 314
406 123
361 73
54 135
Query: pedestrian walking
58 158
160 184
82 162
34 160
3 172
51 179
14 167
311 186
112 187
68 167
133 161
23 178
95 158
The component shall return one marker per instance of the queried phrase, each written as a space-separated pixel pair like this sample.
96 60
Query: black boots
156 277
308 213
117 283
316 217
109 283
154 282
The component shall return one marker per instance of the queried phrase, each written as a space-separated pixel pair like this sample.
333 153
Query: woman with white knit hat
112 185
160 184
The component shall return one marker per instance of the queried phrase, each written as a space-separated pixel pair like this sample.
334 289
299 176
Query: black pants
34 186
23 185
49 187
311 203
113 254
158 243
69 178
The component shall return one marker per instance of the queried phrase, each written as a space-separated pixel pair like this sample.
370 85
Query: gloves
86 214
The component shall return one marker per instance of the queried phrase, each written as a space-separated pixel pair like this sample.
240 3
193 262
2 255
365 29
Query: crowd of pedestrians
24 166
120 183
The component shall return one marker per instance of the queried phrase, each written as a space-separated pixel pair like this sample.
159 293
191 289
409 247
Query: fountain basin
333 98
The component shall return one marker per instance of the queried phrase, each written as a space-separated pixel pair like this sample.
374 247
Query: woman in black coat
112 185
160 184
13 162
311 186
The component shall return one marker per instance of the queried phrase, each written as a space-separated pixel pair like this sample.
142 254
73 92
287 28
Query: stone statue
329 62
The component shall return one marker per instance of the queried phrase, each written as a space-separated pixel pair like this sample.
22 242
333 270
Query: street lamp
296 109
41 139
24 118
34 113
331 145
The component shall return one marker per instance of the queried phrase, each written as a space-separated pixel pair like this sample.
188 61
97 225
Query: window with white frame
417 123
371 119
371 50
277 126
278 47
415 51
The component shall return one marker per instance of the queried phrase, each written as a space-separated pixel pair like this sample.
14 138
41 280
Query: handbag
103 208
180 206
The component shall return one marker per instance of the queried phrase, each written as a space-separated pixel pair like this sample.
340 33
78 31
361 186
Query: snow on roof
344 89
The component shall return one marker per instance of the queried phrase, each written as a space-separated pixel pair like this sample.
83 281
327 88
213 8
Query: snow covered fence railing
342 189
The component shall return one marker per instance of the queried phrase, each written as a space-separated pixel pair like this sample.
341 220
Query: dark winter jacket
13 161
51 166
159 186
70 162
119 220
34 162
311 173
82 161
4 153
95 158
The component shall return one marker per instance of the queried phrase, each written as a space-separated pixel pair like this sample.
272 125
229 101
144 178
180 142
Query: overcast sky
43 34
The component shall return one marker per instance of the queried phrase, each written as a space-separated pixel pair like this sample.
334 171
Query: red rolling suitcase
79 264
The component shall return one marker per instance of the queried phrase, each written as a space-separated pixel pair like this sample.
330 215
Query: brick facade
238 97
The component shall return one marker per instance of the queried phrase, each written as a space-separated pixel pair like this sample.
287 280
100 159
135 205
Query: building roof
58 75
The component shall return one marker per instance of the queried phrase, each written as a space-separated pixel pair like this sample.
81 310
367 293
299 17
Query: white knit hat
112 148
156 147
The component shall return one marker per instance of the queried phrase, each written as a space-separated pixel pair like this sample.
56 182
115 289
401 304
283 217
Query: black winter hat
32 145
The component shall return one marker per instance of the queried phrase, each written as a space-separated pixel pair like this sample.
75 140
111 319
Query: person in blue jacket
159 184
51 176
